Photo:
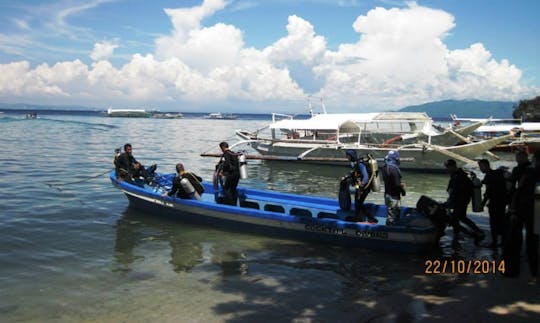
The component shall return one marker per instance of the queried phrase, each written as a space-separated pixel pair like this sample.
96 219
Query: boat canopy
111 111
326 122
403 116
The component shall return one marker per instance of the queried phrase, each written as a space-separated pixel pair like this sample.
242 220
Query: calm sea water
77 252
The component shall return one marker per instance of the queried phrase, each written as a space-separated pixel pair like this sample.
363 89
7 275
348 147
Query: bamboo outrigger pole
295 158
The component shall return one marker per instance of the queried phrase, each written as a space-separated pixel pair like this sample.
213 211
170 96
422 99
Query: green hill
465 109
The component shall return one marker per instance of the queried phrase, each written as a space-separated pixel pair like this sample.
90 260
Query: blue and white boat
287 215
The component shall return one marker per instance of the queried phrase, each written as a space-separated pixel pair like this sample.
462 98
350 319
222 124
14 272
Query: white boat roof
335 121
125 110
403 116
526 126
530 126
329 122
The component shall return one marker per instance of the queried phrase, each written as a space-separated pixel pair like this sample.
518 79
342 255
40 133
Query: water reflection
323 180
190 246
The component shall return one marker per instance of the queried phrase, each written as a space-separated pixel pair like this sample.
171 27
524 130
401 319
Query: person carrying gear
394 188
495 197
361 179
228 172
186 185
460 190
522 210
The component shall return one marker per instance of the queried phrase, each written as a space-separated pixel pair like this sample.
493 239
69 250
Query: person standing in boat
495 196
460 190
360 179
179 189
394 188
229 170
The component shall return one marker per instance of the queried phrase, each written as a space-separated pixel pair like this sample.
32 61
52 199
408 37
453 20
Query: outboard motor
242 166
188 188
375 182
477 194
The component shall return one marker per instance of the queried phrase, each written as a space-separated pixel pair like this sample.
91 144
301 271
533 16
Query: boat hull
417 234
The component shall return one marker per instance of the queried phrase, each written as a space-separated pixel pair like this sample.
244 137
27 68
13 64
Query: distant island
528 110
28 106
465 109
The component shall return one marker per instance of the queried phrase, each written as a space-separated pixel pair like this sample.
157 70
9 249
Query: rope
57 186
213 147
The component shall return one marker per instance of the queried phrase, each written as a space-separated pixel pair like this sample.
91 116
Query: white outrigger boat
324 137
529 132
128 113
220 116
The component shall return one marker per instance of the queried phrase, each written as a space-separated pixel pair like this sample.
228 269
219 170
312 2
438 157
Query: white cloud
102 51
21 24
400 58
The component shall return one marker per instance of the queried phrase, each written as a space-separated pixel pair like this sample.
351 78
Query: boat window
249 205
274 208
327 215
300 212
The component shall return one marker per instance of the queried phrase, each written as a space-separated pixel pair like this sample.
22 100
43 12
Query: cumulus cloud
399 58
299 52
102 51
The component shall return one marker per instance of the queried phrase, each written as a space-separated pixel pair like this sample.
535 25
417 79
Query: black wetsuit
522 215
496 196
124 166
231 173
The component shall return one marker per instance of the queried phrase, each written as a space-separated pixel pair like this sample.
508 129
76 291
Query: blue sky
255 56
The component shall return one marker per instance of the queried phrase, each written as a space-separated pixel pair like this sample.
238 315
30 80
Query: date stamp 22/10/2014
478 266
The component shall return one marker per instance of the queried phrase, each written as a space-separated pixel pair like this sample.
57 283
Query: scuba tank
242 165
375 181
116 155
188 188
216 179
477 194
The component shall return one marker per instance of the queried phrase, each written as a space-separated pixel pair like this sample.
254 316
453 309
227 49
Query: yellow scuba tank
375 181
477 194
